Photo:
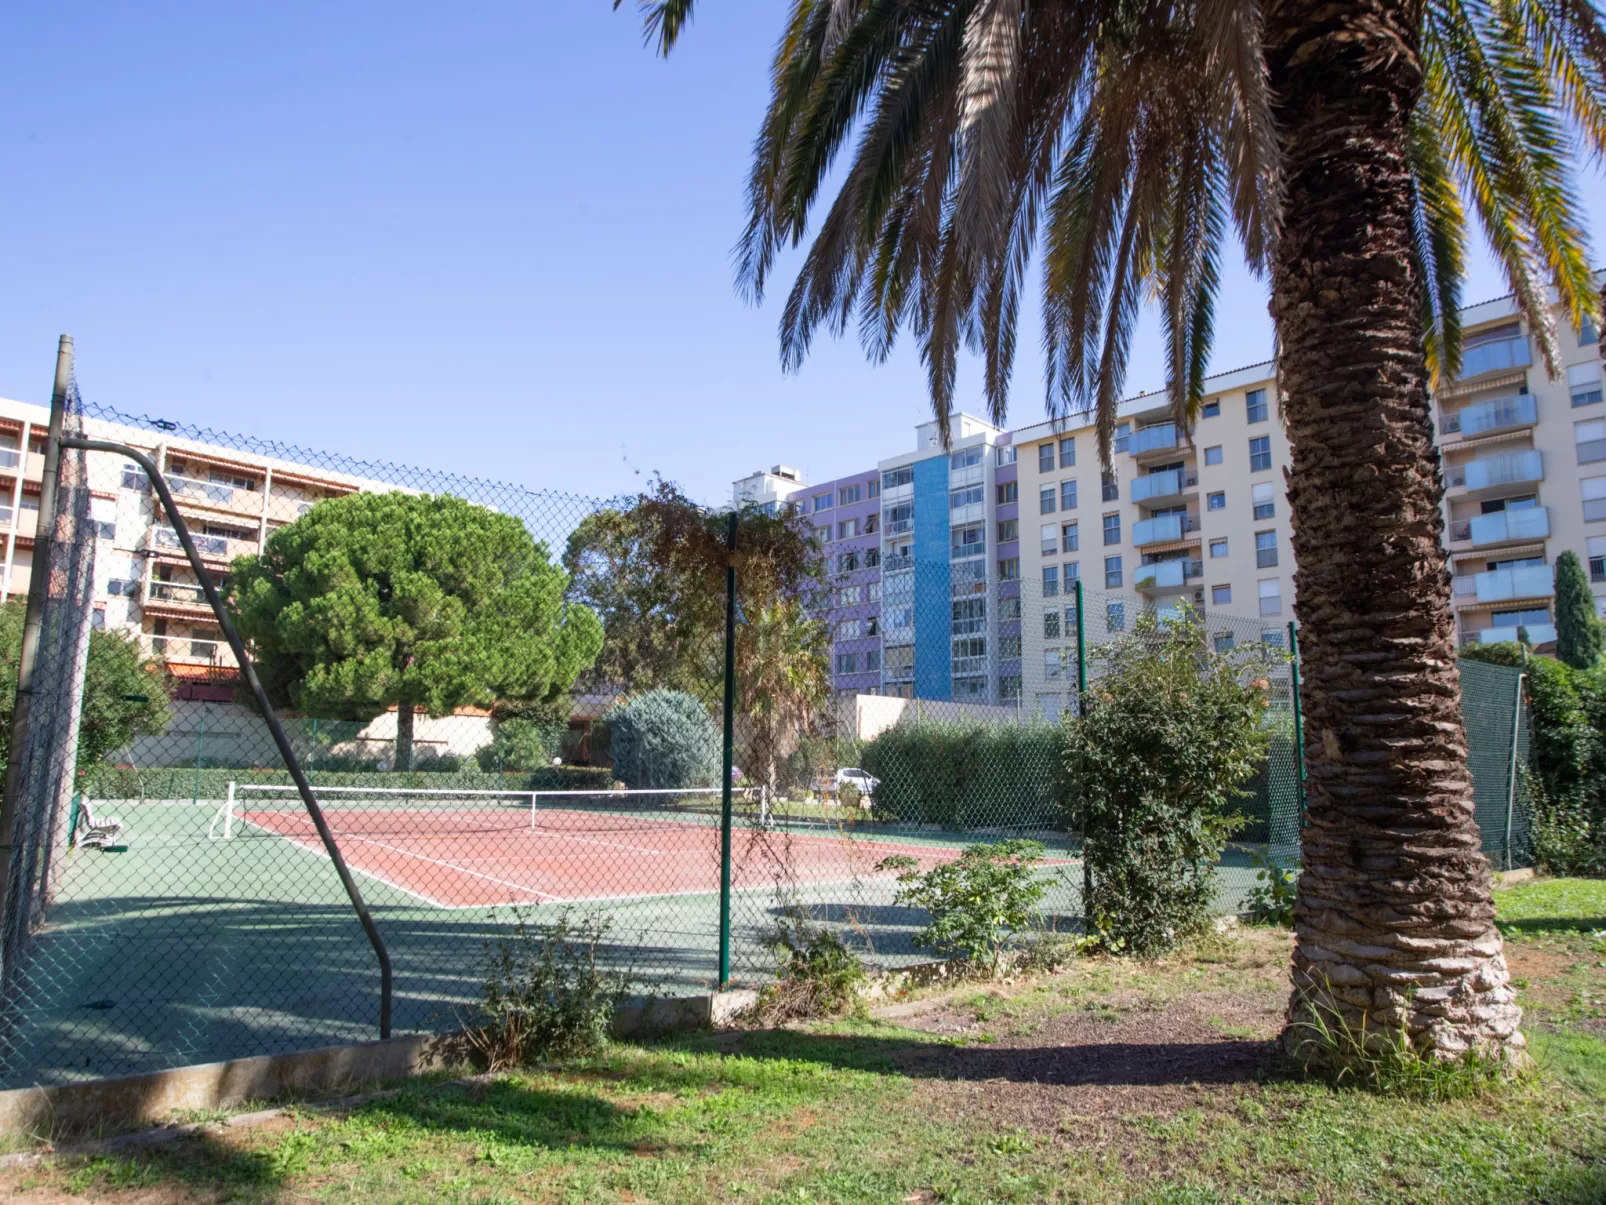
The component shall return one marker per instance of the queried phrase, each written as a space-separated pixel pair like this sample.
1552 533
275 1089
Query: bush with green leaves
966 775
1173 731
520 743
978 903
814 759
546 993
1271 900
816 974
664 739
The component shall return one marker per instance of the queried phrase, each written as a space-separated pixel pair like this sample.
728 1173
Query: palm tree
1342 145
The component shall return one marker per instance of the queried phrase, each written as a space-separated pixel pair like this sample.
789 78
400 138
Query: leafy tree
663 739
520 743
1172 733
125 694
1343 144
417 602
1580 635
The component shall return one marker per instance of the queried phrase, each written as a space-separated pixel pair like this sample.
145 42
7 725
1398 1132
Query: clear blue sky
492 238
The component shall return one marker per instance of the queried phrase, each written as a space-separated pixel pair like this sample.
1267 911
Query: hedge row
968 776
179 782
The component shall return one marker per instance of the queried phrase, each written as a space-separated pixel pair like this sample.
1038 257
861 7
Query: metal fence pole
729 742
1299 719
1081 709
1511 772
1081 648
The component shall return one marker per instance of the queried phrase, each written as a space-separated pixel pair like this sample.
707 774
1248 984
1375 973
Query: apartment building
230 499
1198 515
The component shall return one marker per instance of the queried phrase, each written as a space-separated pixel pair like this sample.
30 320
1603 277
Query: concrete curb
208 1087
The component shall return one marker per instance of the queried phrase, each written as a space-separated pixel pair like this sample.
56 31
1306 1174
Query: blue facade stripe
933 619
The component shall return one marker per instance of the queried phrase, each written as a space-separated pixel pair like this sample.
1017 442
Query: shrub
663 739
967 776
1172 733
545 995
977 902
816 974
181 782
817 757
1271 899
520 743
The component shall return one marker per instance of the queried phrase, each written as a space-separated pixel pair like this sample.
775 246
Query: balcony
1497 414
1498 355
1162 489
181 597
1162 528
216 548
183 648
897 564
1164 576
10 458
1502 585
1497 472
1529 523
1146 441
1538 633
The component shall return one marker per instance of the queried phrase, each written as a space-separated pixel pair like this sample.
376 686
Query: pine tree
1580 635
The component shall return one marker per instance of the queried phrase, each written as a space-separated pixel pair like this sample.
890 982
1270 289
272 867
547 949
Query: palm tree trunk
1394 916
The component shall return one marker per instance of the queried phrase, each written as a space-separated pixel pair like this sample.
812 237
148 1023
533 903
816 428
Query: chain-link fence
510 704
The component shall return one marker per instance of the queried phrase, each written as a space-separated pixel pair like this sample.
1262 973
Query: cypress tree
1580 635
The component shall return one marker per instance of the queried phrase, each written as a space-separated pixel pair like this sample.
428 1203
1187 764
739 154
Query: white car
865 784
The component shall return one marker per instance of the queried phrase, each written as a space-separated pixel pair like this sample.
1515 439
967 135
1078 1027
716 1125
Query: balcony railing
1538 633
185 648
1167 575
206 491
1460 530
1159 438
178 592
897 564
1169 484
1162 528
1499 355
1489 472
1497 414
1530 581
166 537
1466 585
1529 523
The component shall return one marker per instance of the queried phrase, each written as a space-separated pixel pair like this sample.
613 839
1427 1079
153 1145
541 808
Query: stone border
95 1106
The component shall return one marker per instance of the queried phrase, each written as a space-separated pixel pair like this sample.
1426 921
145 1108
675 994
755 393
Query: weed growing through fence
978 902
817 975
546 994
1271 900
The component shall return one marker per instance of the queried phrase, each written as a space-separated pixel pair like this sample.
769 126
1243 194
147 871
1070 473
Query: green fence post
312 753
1299 719
1511 770
730 737
1081 709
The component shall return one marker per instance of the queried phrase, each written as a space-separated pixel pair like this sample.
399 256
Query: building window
1212 408
1216 501
1218 548
1220 596
967 541
1053 663
1265 503
1272 637
1008 491
1265 549
874 488
134 478
1590 438
1112 572
1109 487
1589 335
1223 642
872 626
900 517
1070 537
1123 436
1112 528
1006 454
848 494
1051 539
1583 380
971 495
1255 404
1008 529
872 557
1051 580
1597 558
1009 569
1051 625
1009 689
871 523
1009 646
1068 452
965 458
847 663
847 529
893 478
1115 616
1271 596
1045 457
1045 500
872 660
849 629
1009 608
850 596
1067 495
1259 453
1593 492
847 562
1073 572
1213 455
822 502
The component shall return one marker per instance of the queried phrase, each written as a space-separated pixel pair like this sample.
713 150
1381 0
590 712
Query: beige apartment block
1202 515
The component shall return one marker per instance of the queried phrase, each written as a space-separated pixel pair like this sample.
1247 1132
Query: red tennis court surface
477 858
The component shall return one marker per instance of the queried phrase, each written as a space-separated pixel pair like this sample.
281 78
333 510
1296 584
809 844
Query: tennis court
478 849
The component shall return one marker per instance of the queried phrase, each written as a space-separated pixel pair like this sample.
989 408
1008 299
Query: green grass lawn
1108 1081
